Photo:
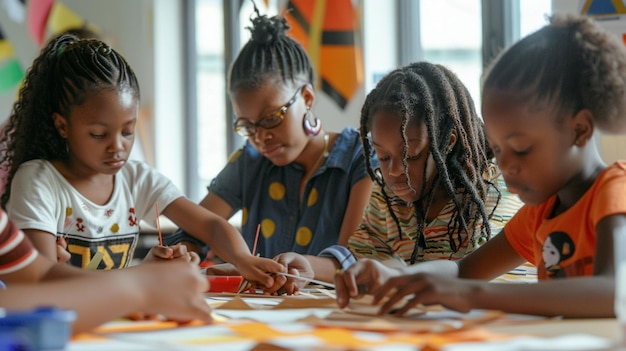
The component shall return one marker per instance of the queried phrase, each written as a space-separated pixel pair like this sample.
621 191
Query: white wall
565 6
612 147
168 90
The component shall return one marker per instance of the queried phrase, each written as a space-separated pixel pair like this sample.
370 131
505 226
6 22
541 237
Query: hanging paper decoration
62 18
43 18
11 73
329 30
38 11
603 7
611 10
50 17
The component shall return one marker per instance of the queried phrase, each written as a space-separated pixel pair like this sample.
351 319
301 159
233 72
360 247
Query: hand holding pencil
169 252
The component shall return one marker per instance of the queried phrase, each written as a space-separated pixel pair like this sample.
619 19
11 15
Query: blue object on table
39 329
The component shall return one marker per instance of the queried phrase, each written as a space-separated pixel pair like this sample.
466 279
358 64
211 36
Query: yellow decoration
277 191
62 18
6 50
267 228
304 236
68 211
115 228
312 198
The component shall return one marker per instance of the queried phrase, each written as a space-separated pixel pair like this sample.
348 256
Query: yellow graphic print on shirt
118 250
100 231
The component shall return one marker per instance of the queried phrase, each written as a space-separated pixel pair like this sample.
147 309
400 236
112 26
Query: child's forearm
61 294
324 267
439 267
227 242
571 297
208 227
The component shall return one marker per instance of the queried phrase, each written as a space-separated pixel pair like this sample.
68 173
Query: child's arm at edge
223 238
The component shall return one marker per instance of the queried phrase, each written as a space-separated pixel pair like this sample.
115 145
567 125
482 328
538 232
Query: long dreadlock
429 94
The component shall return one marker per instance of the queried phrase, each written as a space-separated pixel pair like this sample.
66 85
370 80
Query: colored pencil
256 238
314 281
158 223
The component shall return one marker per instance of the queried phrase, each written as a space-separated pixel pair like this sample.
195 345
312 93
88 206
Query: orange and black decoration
329 31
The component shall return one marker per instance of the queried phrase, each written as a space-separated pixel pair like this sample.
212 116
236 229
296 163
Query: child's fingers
193 258
163 252
199 310
179 250
341 290
279 282
222 269
62 254
61 242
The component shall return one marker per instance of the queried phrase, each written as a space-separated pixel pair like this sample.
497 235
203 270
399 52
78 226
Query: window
532 14
449 32
210 129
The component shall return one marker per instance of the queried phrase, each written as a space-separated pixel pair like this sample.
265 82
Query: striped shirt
16 251
378 238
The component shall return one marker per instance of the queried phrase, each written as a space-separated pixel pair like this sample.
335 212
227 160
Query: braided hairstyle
571 64
430 94
65 73
269 55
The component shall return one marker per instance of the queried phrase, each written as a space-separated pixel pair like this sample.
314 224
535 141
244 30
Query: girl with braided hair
305 187
544 101
67 145
437 193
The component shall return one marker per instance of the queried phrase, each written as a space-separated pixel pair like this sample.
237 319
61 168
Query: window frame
500 28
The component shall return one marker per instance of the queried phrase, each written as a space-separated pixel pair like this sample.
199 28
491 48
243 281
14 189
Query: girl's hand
428 289
363 277
222 269
295 264
158 253
259 270
172 288
62 254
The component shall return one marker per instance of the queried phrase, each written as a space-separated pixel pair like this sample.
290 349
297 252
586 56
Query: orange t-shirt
564 246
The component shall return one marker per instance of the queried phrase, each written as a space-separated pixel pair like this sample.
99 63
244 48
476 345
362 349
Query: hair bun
266 30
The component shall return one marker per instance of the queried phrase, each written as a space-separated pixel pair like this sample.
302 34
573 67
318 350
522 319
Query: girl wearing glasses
306 188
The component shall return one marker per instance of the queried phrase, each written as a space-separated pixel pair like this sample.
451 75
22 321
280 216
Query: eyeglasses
245 127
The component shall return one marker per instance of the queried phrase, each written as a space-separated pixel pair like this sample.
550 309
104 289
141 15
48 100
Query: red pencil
256 238
158 223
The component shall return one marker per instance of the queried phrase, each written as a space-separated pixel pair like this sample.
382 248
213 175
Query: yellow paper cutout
61 18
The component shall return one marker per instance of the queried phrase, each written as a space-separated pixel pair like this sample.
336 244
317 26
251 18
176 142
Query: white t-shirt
42 199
